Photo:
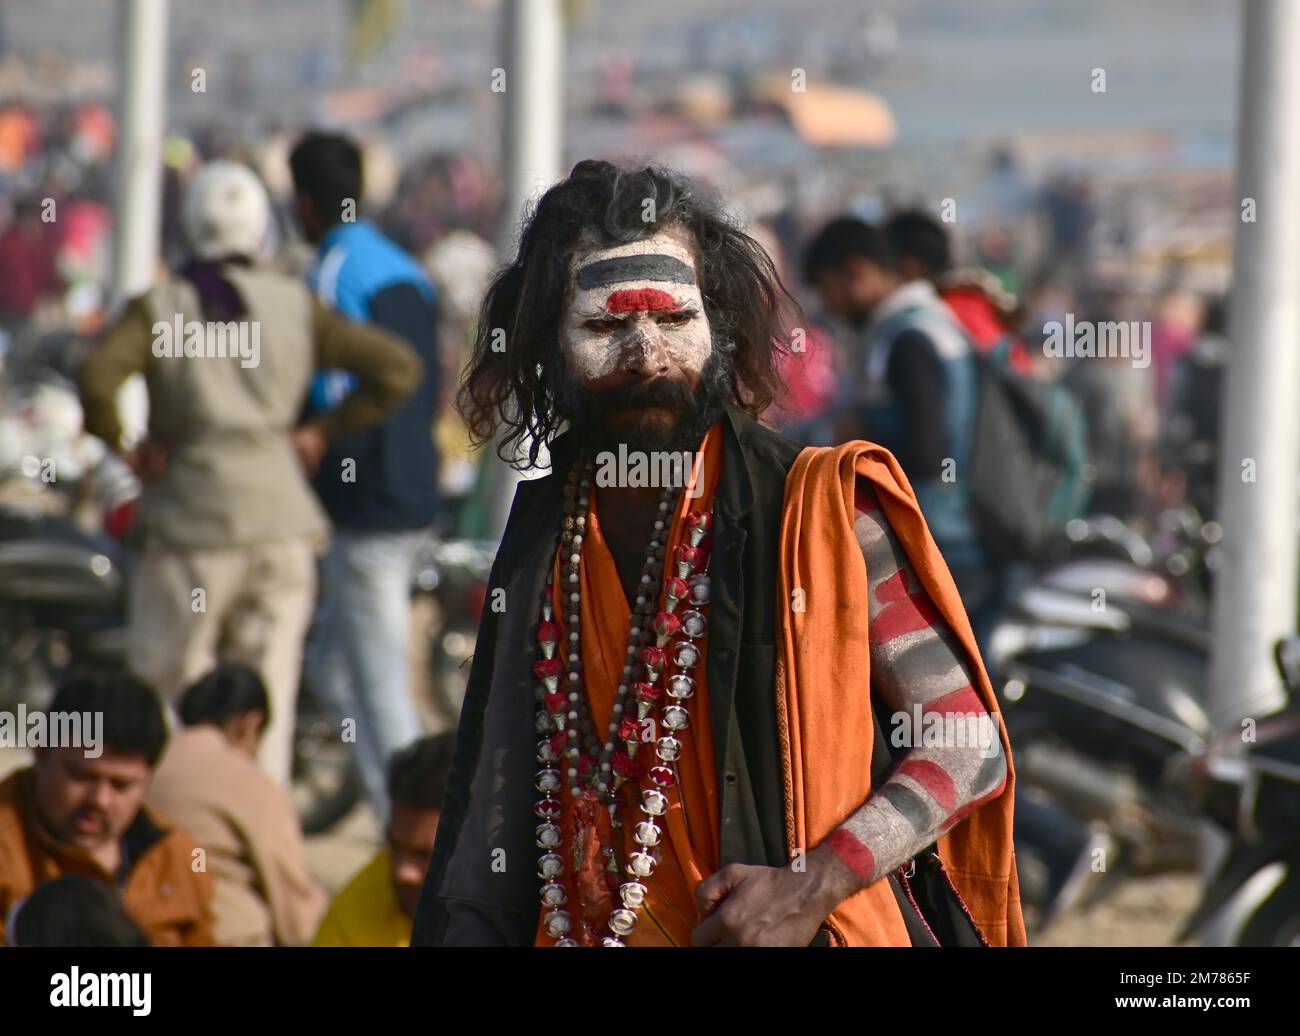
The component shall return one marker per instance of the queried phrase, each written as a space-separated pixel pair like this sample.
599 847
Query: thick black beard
589 415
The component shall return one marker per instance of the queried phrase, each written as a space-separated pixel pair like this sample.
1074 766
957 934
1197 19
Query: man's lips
88 823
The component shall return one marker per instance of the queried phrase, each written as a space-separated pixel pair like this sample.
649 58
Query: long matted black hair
510 383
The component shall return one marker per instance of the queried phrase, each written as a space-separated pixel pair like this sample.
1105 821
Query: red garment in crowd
808 373
980 319
27 254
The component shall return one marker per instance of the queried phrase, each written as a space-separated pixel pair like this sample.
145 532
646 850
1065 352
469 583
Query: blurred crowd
276 512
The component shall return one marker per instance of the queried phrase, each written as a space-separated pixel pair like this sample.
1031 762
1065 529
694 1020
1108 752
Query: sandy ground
1143 911
337 855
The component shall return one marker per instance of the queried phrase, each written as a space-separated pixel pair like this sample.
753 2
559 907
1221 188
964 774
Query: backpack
1027 461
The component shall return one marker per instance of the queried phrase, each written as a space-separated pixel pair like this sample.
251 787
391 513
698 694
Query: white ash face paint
633 305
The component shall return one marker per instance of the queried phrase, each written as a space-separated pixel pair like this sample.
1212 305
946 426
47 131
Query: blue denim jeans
359 656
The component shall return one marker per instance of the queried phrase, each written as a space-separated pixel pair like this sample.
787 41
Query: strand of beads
690 581
568 713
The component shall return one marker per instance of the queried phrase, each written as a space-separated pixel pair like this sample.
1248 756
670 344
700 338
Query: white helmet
226 212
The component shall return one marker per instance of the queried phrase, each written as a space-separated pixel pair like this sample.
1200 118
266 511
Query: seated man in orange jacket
79 810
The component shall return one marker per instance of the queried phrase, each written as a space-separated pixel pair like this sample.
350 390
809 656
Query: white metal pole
1259 471
142 88
1259 464
534 106
531 152
141 98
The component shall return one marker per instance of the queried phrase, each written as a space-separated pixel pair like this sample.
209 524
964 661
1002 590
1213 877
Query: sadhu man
701 714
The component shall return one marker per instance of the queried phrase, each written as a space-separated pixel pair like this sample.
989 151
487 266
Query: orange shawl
823 676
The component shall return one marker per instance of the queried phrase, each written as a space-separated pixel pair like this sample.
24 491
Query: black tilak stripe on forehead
644 267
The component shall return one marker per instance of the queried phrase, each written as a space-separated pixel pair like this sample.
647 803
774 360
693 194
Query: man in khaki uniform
229 524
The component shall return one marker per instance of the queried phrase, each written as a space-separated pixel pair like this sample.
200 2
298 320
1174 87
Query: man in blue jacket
380 487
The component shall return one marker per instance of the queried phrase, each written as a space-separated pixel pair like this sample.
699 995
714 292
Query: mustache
692 410
661 392
90 811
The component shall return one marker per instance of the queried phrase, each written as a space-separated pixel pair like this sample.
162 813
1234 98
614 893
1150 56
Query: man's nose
102 795
643 351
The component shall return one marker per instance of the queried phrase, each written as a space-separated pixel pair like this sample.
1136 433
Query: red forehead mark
640 300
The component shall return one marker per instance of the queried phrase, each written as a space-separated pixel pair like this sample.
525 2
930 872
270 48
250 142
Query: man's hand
310 444
148 460
744 905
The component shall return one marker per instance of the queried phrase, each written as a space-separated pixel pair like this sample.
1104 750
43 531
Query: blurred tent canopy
832 116
373 23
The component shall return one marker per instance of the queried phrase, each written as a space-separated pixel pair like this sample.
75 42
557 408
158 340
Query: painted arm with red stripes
917 669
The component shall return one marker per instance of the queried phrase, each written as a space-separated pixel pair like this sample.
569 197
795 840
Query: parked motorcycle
1254 795
1100 664
453 573
62 587
62 599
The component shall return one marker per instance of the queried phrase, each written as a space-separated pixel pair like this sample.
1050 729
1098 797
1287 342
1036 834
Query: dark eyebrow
646 267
